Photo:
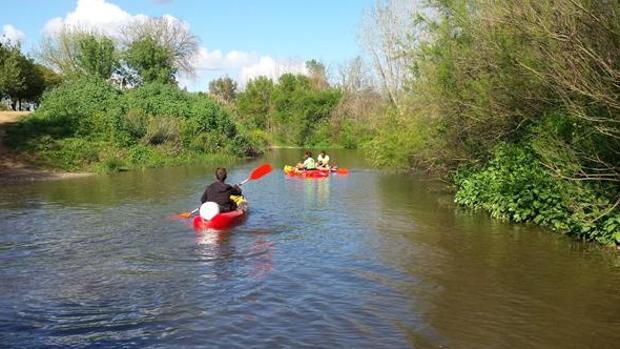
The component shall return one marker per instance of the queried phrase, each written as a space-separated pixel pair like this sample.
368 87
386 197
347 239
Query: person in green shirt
308 163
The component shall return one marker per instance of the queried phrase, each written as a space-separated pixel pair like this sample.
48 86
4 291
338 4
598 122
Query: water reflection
485 281
262 263
369 260
314 192
212 238
219 246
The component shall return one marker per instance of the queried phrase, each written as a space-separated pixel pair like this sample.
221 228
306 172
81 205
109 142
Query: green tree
223 89
300 108
20 79
152 62
317 73
254 103
96 56
171 34
50 77
12 79
75 51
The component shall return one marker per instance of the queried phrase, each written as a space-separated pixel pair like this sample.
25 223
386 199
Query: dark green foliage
87 106
294 110
88 123
96 56
21 79
68 154
159 99
12 74
152 62
254 104
206 115
538 74
515 186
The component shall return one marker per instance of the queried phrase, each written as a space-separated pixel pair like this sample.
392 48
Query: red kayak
293 172
221 221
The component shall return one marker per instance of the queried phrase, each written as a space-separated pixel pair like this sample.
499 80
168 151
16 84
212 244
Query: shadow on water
491 283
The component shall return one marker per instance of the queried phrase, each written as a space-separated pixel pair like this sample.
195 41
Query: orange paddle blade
184 215
342 171
260 171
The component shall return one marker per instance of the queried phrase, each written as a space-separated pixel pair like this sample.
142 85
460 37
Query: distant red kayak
221 221
293 172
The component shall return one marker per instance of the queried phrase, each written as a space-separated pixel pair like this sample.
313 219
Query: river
369 260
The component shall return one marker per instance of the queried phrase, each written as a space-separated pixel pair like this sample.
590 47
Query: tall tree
96 56
13 71
388 32
354 76
254 103
77 51
151 61
169 33
20 78
224 89
317 74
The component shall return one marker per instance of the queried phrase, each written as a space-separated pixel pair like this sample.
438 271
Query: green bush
162 130
321 135
514 186
136 123
208 142
87 121
35 130
259 138
208 116
85 105
70 153
112 164
294 111
398 141
243 146
139 154
159 99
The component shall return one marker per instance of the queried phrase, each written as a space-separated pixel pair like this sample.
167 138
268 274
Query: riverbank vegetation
118 105
303 109
517 102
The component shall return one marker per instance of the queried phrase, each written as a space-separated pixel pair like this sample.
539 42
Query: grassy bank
88 124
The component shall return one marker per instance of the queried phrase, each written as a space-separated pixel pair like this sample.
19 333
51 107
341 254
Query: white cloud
92 14
216 60
12 34
271 68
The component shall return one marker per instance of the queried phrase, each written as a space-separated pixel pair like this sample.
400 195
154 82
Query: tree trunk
13 104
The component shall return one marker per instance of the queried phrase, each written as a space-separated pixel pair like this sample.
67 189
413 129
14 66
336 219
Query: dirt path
13 167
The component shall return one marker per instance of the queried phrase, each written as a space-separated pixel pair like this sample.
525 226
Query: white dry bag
208 210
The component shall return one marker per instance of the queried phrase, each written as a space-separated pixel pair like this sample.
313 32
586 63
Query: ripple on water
365 261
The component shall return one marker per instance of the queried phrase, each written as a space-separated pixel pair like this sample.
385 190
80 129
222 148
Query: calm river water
368 260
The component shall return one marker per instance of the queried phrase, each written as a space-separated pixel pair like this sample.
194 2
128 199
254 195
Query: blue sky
260 34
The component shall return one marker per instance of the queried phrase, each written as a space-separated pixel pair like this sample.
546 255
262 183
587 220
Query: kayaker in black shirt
220 192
